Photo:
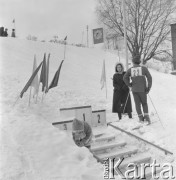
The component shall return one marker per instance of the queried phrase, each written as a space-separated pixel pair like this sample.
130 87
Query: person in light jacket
82 136
82 133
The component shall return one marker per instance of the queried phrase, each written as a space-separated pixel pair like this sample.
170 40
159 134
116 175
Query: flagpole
118 54
104 59
36 98
43 95
16 101
64 50
65 42
106 82
14 27
125 34
30 96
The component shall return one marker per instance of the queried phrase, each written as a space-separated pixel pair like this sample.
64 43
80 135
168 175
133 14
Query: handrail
137 137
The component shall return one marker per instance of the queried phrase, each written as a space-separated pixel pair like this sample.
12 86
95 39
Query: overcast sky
45 18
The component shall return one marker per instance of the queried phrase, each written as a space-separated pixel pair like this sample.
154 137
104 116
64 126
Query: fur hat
77 125
136 59
120 65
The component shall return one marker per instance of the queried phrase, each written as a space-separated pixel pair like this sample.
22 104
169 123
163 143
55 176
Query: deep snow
31 148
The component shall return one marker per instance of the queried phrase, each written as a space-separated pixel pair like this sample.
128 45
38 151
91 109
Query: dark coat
121 92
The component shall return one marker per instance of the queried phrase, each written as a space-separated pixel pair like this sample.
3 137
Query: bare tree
147 23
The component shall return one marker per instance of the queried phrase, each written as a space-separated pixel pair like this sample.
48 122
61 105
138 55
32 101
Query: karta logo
114 167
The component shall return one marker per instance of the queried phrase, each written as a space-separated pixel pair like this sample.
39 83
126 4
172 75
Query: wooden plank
121 153
99 111
108 146
62 122
72 108
98 135
137 137
98 118
105 138
82 113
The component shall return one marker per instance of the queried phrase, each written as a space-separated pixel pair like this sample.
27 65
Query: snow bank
31 147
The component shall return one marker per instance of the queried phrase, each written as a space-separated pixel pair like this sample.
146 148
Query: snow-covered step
98 135
104 138
136 159
120 153
108 146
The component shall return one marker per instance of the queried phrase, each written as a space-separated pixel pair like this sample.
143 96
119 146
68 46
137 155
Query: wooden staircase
107 146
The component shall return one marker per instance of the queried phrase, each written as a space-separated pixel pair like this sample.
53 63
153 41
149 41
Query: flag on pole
47 73
55 80
98 35
43 73
65 38
103 76
35 82
30 80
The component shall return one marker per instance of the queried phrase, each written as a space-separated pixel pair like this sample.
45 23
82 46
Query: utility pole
87 36
125 36
173 37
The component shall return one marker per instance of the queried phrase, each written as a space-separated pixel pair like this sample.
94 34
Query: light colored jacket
86 141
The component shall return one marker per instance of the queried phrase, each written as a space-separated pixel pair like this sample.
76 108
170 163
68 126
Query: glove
147 90
130 86
122 108
125 88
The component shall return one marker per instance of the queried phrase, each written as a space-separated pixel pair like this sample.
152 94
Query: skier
13 33
5 34
140 88
82 135
1 31
121 97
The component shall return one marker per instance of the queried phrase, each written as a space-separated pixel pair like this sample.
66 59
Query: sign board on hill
83 113
99 118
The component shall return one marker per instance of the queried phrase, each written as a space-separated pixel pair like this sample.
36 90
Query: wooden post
173 36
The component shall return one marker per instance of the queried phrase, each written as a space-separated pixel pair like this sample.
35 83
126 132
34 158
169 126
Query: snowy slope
31 147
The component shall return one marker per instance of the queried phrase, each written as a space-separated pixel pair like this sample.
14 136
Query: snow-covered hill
31 147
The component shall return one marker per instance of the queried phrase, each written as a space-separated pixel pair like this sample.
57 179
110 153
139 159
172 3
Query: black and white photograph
88 89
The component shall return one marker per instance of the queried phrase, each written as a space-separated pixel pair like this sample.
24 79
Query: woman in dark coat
121 96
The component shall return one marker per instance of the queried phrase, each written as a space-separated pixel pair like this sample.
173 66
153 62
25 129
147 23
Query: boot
130 115
141 118
120 116
147 118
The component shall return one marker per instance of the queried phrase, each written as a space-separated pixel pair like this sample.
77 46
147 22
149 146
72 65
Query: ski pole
156 111
126 101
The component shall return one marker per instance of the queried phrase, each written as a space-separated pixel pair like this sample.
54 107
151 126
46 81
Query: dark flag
56 77
43 73
98 35
13 21
30 80
65 38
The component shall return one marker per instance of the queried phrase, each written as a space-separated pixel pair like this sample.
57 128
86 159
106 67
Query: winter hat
120 65
77 125
136 59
